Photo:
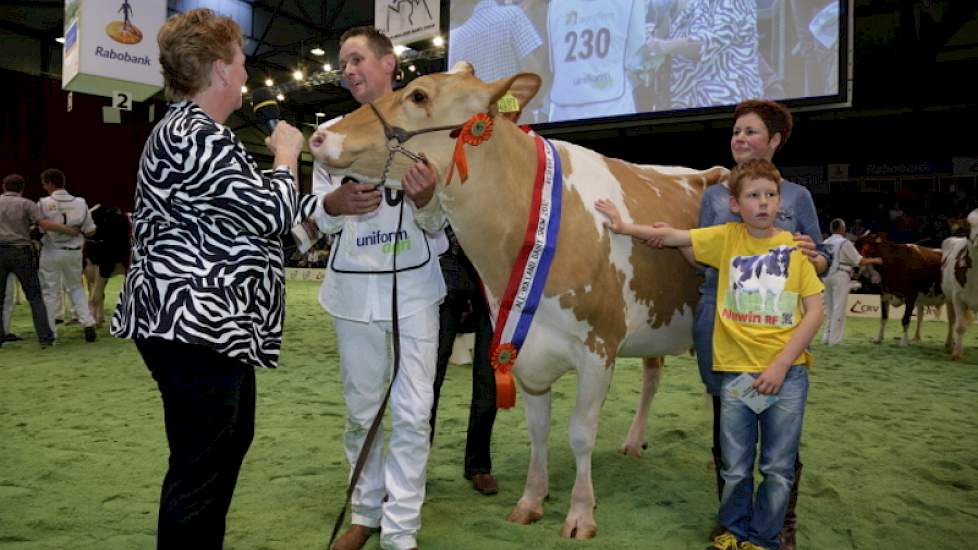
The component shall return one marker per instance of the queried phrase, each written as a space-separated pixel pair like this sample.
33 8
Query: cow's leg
905 322
920 319
592 387
951 322
884 315
635 440
96 302
960 324
530 506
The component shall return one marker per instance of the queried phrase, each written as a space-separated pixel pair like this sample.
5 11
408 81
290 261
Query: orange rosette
475 131
502 360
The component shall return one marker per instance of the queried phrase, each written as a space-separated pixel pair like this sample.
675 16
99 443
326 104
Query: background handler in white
61 254
357 293
844 258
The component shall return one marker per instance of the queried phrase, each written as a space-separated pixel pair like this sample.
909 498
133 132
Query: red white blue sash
529 274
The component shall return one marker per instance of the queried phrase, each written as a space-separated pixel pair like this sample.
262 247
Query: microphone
266 109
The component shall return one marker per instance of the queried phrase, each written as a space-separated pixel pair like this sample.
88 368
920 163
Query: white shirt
844 254
61 207
366 296
494 39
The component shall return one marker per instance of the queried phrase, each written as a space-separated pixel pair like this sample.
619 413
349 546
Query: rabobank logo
124 32
386 240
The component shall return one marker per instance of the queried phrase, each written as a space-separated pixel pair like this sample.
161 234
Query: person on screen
594 48
713 48
816 25
499 41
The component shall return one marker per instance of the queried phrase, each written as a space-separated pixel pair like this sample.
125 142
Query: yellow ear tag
508 103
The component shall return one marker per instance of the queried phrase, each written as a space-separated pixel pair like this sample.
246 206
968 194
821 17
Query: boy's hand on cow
352 198
419 183
608 208
771 379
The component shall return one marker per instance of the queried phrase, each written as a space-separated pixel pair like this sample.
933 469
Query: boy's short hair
53 176
751 170
13 183
837 224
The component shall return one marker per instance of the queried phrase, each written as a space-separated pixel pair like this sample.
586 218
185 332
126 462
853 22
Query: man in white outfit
61 255
844 259
357 293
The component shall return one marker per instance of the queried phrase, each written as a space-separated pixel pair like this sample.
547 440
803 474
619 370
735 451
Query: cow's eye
418 97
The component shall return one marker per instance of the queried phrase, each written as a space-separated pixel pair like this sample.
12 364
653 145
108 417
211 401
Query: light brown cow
606 295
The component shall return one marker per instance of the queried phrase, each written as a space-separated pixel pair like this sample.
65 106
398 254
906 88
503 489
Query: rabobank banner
406 21
110 45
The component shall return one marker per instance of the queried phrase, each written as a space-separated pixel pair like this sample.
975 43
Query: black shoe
46 345
59 321
89 334
10 337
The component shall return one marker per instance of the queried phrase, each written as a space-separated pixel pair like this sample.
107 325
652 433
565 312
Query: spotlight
60 40
269 82
321 115
438 41
297 75
244 89
280 97
327 67
317 51
399 49
411 68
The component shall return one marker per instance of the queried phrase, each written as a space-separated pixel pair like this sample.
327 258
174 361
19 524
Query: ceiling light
317 51
411 68
280 97
438 41
244 89
399 49
327 67
269 82
297 75
60 40
320 115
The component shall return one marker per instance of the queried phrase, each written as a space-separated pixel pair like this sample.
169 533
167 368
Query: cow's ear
522 86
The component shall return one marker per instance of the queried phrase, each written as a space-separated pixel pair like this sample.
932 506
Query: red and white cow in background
606 295
959 281
909 275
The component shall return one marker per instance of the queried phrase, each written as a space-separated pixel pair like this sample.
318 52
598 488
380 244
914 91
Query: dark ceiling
899 64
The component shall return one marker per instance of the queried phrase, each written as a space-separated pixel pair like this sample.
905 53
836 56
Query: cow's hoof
633 449
579 529
876 340
904 344
956 357
524 514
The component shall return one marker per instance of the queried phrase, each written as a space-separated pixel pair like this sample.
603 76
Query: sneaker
724 541
10 337
89 334
747 545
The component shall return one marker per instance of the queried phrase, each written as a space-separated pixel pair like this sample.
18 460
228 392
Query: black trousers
209 413
20 261
482 411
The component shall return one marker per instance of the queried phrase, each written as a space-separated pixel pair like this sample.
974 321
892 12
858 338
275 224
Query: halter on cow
605 296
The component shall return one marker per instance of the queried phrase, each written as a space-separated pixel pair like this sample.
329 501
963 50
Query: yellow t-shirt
760 286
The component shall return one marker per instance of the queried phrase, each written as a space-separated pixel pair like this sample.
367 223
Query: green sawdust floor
889 446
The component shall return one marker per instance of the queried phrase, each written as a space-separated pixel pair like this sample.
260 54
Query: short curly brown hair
752 170
189 42
776 117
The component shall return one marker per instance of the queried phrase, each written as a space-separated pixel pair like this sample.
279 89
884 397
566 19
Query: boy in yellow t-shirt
761 329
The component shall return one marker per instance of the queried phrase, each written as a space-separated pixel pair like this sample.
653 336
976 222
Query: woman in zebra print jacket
204 297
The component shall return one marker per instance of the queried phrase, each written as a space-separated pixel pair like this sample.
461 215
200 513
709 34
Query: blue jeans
760 521
704 318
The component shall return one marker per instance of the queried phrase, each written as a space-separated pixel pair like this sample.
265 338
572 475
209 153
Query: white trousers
366 353
63 268
836 301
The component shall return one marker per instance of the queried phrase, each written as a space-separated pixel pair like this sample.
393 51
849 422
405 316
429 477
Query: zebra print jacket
207 264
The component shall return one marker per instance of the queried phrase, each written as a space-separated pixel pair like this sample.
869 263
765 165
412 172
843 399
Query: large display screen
627 59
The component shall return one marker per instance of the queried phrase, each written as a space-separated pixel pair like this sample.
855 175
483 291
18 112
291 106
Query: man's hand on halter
352 198
419 183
